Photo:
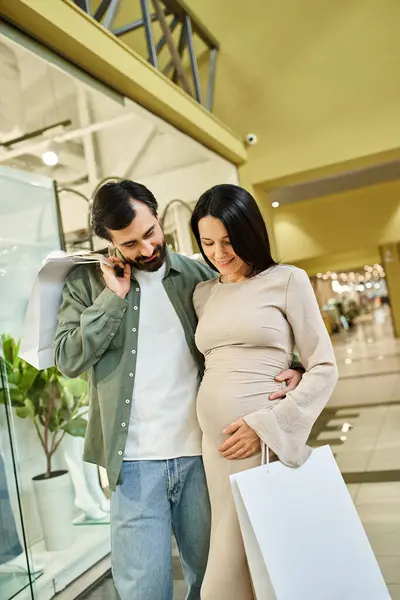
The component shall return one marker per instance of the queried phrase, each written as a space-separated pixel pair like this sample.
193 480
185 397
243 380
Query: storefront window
15 574
61 135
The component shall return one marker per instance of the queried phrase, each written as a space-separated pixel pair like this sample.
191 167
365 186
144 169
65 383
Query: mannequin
10 547
13 559
89 496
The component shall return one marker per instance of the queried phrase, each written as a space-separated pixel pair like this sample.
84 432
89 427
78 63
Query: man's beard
141 264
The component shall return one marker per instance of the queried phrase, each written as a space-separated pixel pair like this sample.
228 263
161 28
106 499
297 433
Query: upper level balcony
168 34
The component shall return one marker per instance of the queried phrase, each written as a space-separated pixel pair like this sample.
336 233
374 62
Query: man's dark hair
112 206
239 212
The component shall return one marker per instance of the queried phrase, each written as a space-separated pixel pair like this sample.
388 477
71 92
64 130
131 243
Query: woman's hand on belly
242 443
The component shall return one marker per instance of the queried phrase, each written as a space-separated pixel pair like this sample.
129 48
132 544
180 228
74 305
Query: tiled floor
362 425
107 591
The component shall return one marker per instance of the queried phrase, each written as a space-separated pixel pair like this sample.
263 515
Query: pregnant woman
251 319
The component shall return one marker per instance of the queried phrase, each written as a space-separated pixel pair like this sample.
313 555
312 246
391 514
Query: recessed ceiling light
275 204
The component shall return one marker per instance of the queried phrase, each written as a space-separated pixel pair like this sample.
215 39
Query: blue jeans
158 497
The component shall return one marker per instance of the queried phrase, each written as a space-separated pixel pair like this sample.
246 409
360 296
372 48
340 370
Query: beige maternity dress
247 332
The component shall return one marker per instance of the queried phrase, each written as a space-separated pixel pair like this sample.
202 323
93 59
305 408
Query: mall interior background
318 84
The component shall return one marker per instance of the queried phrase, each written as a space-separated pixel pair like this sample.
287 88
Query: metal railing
170 15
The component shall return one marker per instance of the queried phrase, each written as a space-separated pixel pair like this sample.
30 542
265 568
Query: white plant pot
55 504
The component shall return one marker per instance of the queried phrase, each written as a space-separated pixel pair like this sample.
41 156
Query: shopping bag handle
264 454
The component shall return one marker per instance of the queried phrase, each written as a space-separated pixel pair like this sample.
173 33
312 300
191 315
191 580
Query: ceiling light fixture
275 204
50 158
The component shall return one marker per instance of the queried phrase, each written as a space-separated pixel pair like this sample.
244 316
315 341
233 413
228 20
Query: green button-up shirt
98 332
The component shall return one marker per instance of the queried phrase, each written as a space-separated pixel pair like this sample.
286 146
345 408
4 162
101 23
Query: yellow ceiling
317 80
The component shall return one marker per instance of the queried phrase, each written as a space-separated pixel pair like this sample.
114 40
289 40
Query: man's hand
119 285
243 441
292 378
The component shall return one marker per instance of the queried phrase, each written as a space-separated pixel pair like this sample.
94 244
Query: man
133 329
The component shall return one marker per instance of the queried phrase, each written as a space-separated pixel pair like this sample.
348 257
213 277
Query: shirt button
124 310
135 308
133 351
123 424
127 401
138 289
134 330
119 452
112 334
130 374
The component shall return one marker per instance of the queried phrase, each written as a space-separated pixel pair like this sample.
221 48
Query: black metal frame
182 16
59 217
89 239
8 412
170 204
35 133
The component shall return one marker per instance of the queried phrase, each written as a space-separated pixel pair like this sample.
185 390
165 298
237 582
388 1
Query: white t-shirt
163 423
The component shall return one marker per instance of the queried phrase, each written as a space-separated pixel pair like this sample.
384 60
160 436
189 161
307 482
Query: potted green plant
55 405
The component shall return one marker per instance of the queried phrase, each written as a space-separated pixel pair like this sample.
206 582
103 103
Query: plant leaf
77 387
28 377
76 427
31 407
22 412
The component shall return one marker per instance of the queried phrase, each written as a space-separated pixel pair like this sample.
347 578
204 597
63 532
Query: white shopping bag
44 303
302 534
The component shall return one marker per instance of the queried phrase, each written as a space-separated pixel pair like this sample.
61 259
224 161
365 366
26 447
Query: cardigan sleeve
285 425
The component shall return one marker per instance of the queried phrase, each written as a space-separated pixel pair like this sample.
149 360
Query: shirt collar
173 263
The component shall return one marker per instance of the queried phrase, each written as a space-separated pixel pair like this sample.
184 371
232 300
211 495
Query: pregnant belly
226 395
